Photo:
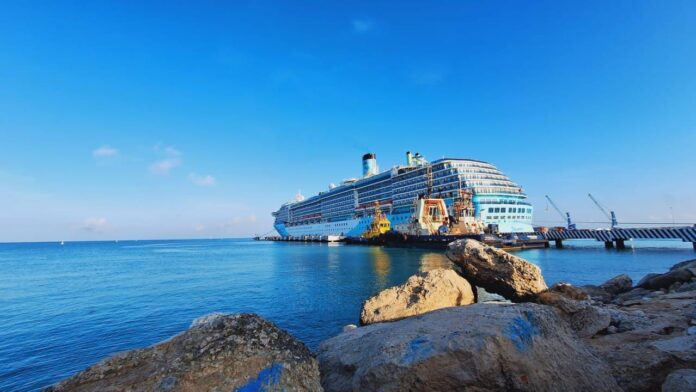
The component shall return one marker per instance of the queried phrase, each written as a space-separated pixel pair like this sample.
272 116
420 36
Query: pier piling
608 244
559 243
620 244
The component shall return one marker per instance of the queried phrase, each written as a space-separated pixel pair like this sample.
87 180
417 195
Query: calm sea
63 308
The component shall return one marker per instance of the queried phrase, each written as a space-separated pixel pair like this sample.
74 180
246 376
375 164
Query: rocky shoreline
431 333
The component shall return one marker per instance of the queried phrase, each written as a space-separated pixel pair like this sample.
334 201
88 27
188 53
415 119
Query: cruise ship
347 209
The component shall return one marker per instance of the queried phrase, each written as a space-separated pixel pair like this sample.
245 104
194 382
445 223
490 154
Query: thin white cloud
171 151
363 25
166 150
199 227
94 225
163 167
104 151
206 180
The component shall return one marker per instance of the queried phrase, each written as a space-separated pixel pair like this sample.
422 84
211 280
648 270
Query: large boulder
681 380
222 352
618 284
597 294
481 347
680 273
424 292
584 318
496 270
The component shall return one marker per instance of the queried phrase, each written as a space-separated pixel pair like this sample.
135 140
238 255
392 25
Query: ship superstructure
348 209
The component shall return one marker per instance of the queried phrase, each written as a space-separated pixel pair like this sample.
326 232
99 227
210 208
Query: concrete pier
559 243
617 236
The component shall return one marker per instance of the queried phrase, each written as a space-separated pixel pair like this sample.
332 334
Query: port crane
611 217
570 224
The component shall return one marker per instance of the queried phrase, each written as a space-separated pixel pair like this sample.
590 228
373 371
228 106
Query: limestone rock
597 293
652 340
586 320
682 380
683 272
569 291
481 347
636 294
643 283
423 292
618 284
590 320
666 280
219 352
684 265
496 270
686 287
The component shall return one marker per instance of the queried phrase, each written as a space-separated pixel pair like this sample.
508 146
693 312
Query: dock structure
305 238
618 236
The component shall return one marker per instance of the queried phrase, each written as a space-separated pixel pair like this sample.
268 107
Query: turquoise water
66 307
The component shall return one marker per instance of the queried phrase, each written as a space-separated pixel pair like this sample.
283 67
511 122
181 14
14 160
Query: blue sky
184 120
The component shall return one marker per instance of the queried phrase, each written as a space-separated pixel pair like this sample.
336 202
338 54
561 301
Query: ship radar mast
299 197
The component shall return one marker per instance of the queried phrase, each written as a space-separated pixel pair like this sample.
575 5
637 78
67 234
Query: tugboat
433 224
379 225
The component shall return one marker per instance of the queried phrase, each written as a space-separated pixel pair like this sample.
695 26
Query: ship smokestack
370 165
409 158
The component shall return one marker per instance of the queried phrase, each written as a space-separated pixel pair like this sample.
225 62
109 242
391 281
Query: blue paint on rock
521 331
268 376
418 349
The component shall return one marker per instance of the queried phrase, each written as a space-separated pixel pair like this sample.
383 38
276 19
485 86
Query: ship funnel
409 158
370 165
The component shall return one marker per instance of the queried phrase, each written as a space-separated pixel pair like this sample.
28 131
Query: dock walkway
619 236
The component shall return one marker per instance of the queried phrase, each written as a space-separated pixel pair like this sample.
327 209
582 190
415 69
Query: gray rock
589 321
496 270
522 347
684 264
423 292
651 341
484 296
644 283
666 280
691 286
597 293
682 380
585 319
618 284
683 272
691 330
624 321
637 294
217 353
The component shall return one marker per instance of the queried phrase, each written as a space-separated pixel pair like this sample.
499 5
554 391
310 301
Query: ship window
497 210
490 209
502 209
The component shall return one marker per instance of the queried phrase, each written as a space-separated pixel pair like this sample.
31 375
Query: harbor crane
611 217
570 224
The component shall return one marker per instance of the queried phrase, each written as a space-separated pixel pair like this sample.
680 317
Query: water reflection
381 264
433 260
